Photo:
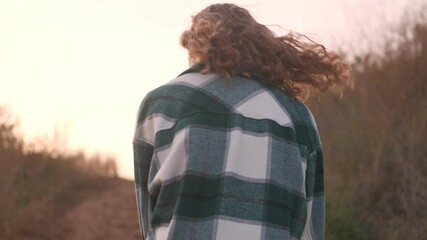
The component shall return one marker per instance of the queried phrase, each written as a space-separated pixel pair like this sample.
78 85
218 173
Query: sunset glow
83 66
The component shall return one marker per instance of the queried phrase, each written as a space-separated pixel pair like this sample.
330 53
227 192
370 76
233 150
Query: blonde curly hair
226 39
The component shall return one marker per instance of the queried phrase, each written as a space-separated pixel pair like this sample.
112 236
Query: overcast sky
83 66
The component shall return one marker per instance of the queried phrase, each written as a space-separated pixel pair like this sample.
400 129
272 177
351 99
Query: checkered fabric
227 159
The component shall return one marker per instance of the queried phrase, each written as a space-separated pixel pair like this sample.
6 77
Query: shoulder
179 99
181 96
302 119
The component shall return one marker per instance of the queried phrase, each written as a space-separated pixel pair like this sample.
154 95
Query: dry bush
39 184
374 138
395 187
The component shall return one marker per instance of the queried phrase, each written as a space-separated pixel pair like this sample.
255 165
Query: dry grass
374 140
375 156
38 186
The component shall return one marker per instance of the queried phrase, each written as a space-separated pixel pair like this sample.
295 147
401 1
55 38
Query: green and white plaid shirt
233 159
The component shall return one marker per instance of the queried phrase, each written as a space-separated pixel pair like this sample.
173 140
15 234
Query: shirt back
227 159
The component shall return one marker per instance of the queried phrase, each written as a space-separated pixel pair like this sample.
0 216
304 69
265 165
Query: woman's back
227 160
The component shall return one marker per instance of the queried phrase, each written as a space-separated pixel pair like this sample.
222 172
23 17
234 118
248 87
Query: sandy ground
108 215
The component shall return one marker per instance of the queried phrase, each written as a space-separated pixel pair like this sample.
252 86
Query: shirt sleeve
318 203
315 225
142 153
142 157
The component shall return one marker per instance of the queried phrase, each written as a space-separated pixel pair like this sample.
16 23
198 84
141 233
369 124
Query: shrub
374 140
39 184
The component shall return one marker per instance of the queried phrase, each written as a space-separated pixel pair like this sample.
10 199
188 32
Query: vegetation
37 186
374 138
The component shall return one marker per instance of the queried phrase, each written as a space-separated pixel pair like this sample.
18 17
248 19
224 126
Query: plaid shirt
233 159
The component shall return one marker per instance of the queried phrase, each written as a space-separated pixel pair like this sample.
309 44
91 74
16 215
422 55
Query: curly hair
226 39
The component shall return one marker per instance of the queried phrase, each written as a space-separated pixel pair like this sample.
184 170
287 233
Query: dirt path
108 215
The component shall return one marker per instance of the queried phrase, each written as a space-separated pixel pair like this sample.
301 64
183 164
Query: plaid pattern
234 159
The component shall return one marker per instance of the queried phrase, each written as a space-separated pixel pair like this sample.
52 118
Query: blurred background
73 73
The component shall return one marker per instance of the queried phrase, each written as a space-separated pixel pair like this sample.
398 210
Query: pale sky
83 66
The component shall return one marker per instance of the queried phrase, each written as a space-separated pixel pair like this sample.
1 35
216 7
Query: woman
226 150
